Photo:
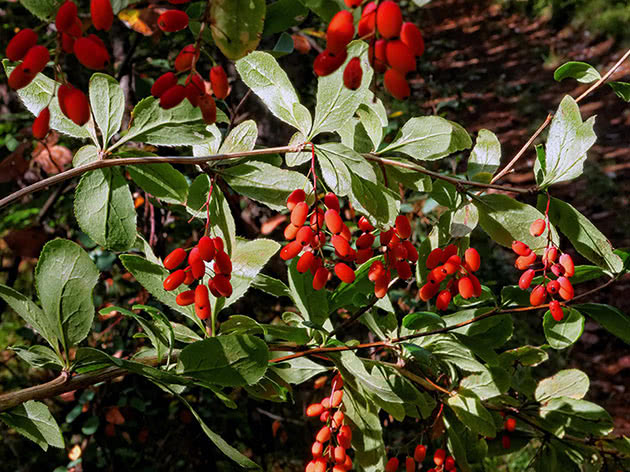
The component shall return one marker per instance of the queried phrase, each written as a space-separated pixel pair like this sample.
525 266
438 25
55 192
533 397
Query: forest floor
500 68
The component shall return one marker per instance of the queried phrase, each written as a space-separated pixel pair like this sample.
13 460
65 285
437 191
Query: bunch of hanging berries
394 46
561 267
440 459
332 441
208 250
452 274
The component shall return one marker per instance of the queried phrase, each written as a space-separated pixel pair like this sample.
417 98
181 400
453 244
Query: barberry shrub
442 358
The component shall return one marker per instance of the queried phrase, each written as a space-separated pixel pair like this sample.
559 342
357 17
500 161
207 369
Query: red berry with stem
523 262
173 97
443 300
66 16
344 272
174 280
35 60
340 32
299 214
538 295
403 227
76 106
219 82
410 465
320 278
341 245
399 56
102 14
304 235
510 424
202 302
566 289
185 298
41 124
392 465
537 227
206 248
295 197
20 44
163 83
419 453
328 62
353 74
222 285
377 55
465 287
175 258
305 262
439 457
90 53
521 249
553 287
223 263
556 310
172 20
396 84
208 108
526 279
367 23
449 464
472 258
567 263
434 258
334 223
412 37
388 19
186 57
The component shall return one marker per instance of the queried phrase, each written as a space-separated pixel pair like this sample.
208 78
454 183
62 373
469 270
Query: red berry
344 272
403 227
41 124
195 89
163 83
537 227
222 261
353 3
218 243
340 32
549 257
439 456
297 196
465 287
222 285
410 465
317 449
434 258
521 248
175 258
443 300
567 263
510 424
304 236
339 454
299 214
102 14
553 287
341 245
566 288
367 23
20 44
314 409
206 248
323 435
428 291
420 453
66 15
290 232
471 256
173 97
185 298
172 20
376 270
327 62
186 57
538 295
449 464
90 53
404 270
523 262
526 279
392 465
396 84
556 310
412 37
75 106
412 253
35 60
365 241
476 286
353 74
208 108
388 19
202 302
381 285
174 280
219 82
557 270
365 225
386 236
333 221
377 55
305 262
320 278
399 56
337 398
317 219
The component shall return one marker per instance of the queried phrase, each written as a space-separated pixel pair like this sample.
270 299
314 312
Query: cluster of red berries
394 52
207 250
446 266
306 233
332 441
440 459
563 269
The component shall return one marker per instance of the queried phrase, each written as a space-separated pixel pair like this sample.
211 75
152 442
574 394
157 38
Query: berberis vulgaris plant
437 363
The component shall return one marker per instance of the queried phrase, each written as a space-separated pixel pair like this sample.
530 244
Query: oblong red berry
553 287
173 97
344 272
566 288
41 124
163 83
290 250
410 465
76 106
320 278
219 82
567 263
339 455
465 287
396 84
304 262
174 280
412 37
377 55
35 60
218 243
392 465
20 44
403 227
388 19
521 248
175 258
549 256
299 214
195 89
367 23
295 197
334 223
510 423
523 262
428 291
556 310
208 108
198 268
376 270
434 258
412 253
172 20
399 56
538 295
185 298
404 270
341 245
340 31
471 256
419 453
449 464
365 225
290 232
439 456
90 53
314 409
366 240
202 302
443 300
102 14
206 248
526 279
537 227
186 57
66 16
304 235
223 263
328 62
222 285
476 286
353 74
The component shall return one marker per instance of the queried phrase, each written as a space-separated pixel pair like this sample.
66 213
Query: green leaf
423 319
65 277
151 276
336 104
569 139
32 314
485 157
296 371
272 286
524 355
561 334
464 220
296 158
369 117
472 413
108 104
621 89
505 219
488 384
584 235
104 209
264 182
580 71
567 383
312 304
428 138
325 9
610 318
39 356
161 180
39 94
90 426
179 126
231 360
579 415
240 139
239 324
340 155
262 73
33 420
375 201
43 9
446 348
282 15
237 26
85 155
248 259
